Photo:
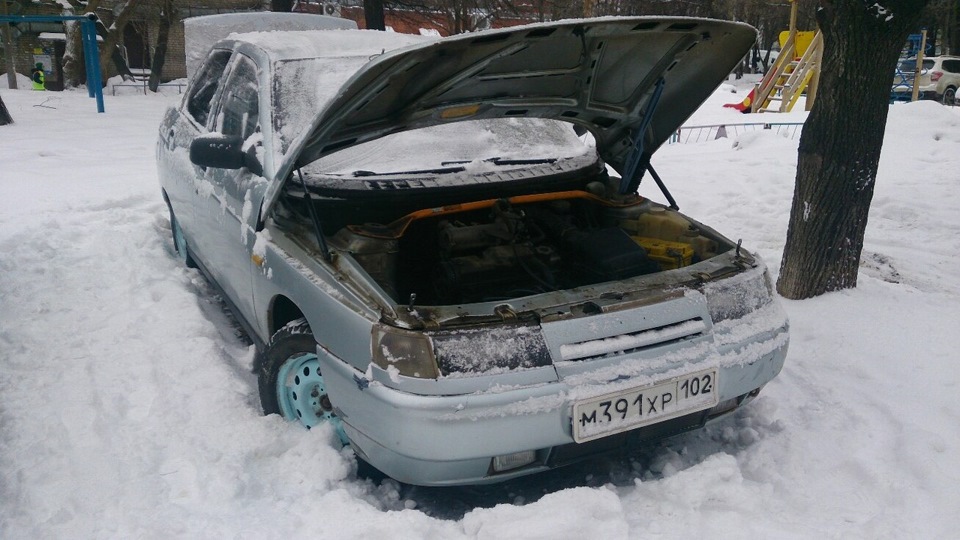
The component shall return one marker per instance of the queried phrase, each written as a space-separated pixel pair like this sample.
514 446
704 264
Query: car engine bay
506 248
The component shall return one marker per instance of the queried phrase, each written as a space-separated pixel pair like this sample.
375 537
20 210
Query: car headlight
482 350
410 353
738 296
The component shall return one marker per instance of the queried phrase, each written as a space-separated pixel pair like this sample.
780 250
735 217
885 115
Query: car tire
180 242
950 96
290 380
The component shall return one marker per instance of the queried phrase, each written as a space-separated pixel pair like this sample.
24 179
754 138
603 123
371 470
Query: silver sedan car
438 247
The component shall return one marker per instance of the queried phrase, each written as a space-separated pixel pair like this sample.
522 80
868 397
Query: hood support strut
663 188
321 239
639 160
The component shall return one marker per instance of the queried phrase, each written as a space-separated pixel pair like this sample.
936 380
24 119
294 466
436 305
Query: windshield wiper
505 161
444 170
447 167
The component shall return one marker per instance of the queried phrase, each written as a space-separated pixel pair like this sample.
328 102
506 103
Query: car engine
507 249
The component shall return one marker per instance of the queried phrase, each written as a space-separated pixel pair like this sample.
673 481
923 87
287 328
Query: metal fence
695 134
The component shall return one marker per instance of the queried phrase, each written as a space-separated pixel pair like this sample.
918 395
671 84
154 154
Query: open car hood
602 74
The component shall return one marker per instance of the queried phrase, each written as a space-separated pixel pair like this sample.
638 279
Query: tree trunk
373 15
951 26
8 52
112 37
5 117
841 142
74 73
74 69
160 53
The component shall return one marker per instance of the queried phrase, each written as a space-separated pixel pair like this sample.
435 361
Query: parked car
431 260
939 79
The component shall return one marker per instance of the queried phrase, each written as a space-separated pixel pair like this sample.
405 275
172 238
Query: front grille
633 341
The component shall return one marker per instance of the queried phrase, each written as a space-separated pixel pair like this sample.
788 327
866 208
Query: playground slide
743 106
803 41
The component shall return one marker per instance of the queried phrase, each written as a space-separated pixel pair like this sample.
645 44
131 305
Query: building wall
27 45
408 21
23 55
145 18
174 66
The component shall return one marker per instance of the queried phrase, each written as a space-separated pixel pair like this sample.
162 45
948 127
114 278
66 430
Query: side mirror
224 152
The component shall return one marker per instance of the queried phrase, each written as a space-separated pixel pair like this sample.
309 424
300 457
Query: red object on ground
743 106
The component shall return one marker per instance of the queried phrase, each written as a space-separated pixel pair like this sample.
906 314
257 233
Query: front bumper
452 439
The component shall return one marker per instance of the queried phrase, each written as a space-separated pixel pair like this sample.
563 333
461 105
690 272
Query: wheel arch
282 311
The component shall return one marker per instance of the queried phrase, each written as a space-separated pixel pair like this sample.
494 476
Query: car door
183 180
225 206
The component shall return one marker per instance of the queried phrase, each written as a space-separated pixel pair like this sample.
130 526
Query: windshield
302 88
470 147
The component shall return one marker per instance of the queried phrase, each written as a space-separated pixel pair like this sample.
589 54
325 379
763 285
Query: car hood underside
600 74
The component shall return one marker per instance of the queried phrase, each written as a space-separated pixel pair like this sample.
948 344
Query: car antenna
321 239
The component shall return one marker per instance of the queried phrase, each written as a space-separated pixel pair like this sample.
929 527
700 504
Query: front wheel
180 242
290 380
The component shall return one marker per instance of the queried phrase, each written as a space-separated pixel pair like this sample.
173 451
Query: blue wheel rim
302 394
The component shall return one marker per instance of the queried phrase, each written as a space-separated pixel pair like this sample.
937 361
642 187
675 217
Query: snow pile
23 82
128 410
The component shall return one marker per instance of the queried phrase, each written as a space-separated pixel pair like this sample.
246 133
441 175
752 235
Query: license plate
629 409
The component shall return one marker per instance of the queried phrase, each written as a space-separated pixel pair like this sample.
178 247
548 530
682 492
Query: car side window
953 66
240 106
205 86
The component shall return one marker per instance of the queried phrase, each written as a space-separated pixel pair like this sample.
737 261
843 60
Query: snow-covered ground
127 409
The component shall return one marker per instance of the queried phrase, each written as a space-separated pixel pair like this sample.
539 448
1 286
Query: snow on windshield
463 144
312 68
303 88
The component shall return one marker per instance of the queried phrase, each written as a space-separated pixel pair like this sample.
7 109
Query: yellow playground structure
796 70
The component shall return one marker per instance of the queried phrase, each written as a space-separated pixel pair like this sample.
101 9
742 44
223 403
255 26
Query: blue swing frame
91 52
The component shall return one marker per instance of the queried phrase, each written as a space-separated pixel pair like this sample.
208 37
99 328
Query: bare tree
10 58
841 142
73 66
942 22
952 24
373 15
113 37
167 15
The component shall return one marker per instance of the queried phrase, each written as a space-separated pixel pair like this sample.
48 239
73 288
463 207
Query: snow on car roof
291 45
201 33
